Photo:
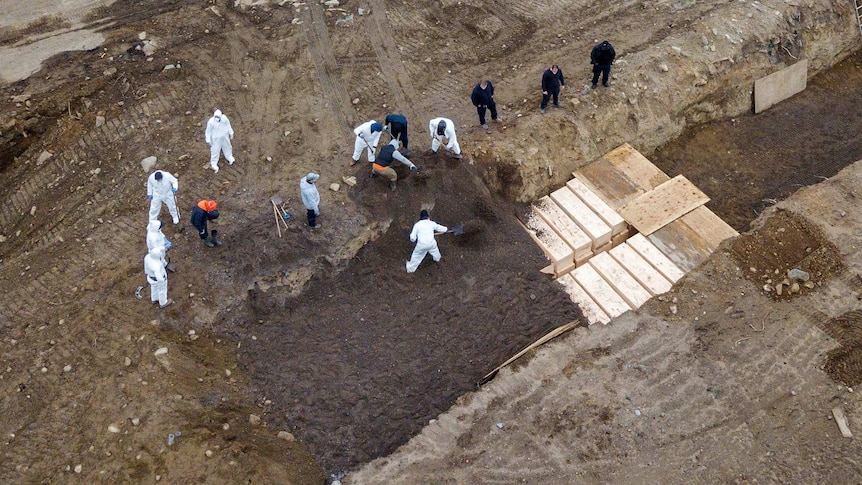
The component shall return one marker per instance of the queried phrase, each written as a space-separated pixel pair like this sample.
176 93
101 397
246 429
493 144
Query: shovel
457 230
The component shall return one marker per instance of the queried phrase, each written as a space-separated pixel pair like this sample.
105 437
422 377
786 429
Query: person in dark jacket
483 100
396 126
388 156
552 80
202 213
601 58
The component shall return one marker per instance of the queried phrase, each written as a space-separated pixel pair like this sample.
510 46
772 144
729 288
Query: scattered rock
331 3
808 284
778 289
794 288
127 362
136 421
254 420
208 453
78 468
663 67
349 180
21 98
500 425
355 101
184 156
142 35
161 351
149 48
45 155
113 428
100 120
169 67
33 210
148 163
110 71
68 368
673 309
798 275
286 436
334 187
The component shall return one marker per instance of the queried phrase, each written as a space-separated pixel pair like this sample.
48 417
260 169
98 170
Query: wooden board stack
622 231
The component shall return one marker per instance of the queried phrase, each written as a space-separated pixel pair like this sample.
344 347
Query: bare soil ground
321 334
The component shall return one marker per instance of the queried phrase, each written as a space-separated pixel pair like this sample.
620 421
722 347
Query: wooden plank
584 217
781 85
599 206
602 177
600 291
681 244
624 283
641 270
667 202
636 167
709 226
655 257
841 421
591 310
564 225
560 253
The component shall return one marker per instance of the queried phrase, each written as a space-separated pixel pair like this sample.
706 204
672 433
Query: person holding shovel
423 235
202 213
388 156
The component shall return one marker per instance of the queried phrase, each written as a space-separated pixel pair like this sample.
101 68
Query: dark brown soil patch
367 355
786 241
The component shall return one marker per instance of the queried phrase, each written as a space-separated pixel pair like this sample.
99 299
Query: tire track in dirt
62 173
319 48
391 64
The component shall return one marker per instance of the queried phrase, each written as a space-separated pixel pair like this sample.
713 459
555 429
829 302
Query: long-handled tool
457 230
281 215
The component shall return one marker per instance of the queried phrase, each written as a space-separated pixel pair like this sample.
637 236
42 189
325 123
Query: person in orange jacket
202 213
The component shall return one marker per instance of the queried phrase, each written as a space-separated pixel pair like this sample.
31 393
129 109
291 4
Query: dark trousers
546 97
399 131
482 109
312 217
605 71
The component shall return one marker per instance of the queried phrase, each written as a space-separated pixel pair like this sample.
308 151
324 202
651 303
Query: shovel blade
457 230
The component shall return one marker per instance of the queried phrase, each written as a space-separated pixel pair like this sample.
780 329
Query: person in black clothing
483 100
396 126
552 80
388 156
601 58
203 212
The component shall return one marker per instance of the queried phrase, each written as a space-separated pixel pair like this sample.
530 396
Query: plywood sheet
655 257
709 226
591 310
600 291
621 175
564 225
592 225
780 85
667 202
624 283
560 253
641 270
599 206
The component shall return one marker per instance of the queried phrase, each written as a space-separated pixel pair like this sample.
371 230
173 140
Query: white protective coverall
365 139
163 191
156 238
423 236
437 140
218 136
157 277
310 195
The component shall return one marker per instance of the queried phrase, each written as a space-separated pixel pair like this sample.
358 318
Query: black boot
209 243
214 237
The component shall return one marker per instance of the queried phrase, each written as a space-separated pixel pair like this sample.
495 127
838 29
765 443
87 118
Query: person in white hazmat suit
156 238
444 128
310 198
367 137
161 188
423 235
218 136
157 277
